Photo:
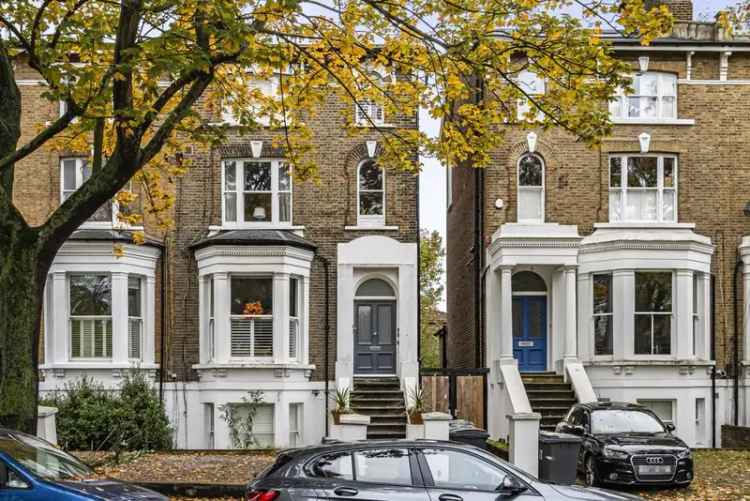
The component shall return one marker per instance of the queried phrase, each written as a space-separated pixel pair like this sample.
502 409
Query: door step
550 396
382 399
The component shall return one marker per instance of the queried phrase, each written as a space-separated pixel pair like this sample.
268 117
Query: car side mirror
670 427
510 487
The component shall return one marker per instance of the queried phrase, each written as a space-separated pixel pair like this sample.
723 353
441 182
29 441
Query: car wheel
590 475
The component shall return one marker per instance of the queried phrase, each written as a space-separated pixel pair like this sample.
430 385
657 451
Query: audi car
627 444
34 470
403 470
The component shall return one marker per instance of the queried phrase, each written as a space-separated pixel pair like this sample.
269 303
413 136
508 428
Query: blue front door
530 333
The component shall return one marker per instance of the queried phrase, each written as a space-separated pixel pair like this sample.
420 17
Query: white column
60 327
623 302
281 318
493 317
203 314
281 418
222 330
506 313
746 316
149 322
304 347
344 325
571 350
119 318
585 312
683 315
408 329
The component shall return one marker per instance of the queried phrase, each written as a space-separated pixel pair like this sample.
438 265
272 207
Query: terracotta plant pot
415 418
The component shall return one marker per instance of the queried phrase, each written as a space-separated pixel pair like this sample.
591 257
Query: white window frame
646 402
623 189
295 321
296 435
239 192
611 315
619 107
369 109
268 87
531 189
527 81
139 319
252 357
369 220
671 314
211 326
95 318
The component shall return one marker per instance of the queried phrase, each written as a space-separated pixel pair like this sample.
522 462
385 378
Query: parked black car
403 470
627 444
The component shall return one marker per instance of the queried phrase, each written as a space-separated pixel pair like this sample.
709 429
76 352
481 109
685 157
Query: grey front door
375 337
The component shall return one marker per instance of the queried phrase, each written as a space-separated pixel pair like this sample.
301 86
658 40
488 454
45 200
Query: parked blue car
32 469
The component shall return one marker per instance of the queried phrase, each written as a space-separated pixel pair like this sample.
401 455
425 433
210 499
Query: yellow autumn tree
130 73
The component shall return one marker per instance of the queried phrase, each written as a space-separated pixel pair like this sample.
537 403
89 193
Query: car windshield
624 421
42 459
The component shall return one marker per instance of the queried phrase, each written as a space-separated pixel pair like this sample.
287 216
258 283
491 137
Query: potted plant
341 399
416 397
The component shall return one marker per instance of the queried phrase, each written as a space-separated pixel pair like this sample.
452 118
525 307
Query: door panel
530 333
375 337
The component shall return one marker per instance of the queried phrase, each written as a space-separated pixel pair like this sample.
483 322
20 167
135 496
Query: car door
455 475
371 474
16 486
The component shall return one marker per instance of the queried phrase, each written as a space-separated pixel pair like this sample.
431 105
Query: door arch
375 328
529 321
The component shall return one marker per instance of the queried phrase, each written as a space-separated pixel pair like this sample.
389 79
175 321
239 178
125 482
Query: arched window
530 189
375 287
370 194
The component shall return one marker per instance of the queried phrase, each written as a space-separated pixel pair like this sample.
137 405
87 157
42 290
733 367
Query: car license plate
649 469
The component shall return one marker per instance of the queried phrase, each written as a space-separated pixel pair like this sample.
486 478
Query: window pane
293 296
285 179
641 205
385 324
642 335
634 107
653 291
662 334
257 176
669 107
530 204
69 174
615 107
647 84
337 465
230 207
90 295
615 206
134 297
662 408
603 335
364 324
668 213
669 172
530 171
258 207
370 176
375 287
252 296
371 203
85 170
285 207
642 172
669 85
230 176
456 470
603 293
388 466
649 107
517 320
615 172
527 281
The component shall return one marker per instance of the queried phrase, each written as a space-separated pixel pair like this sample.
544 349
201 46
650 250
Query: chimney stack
682 10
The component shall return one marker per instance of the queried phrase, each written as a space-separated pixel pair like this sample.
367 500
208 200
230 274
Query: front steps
380 398
550 396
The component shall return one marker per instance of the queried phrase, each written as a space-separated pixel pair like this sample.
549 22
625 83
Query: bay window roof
256 237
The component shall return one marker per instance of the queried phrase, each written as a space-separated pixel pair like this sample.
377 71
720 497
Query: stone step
378 414
385 435
376 401
562 405
556 394
547 387
543 379
388 420
379 410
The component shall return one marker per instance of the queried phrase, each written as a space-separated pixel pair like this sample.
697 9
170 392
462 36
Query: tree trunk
22 277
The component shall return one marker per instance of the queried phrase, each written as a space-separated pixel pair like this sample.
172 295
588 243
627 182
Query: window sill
103 365
103 225
374 126
370 228
645 361
645 225
255 226
253 365
653 121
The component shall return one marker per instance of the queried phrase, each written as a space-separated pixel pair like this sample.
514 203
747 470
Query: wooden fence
459 392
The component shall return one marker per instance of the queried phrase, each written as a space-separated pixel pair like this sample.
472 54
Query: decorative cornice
252 251
663 245
537 243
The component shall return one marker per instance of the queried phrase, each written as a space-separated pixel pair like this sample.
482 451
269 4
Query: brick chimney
682 10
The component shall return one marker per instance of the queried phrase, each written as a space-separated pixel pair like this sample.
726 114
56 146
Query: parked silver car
403 470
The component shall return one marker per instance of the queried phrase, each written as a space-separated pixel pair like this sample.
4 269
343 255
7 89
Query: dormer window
256 192
654 97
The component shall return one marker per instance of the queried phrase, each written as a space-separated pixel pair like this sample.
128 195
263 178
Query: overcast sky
432 179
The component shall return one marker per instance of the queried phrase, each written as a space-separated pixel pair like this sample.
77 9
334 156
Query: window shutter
263 334
241 337
134 338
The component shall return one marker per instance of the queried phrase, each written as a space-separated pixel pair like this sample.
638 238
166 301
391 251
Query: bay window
654 97
256 192
642 188
653 313
603 317
252 317
90 307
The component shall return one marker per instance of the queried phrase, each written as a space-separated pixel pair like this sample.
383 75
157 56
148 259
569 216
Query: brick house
264 283
616 270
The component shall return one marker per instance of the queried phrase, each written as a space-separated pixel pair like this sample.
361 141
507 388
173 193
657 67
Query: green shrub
92 418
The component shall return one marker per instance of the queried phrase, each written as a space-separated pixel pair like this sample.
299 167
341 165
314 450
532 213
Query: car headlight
613 453
685 454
